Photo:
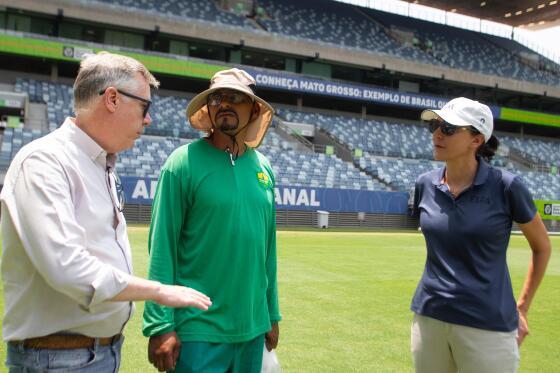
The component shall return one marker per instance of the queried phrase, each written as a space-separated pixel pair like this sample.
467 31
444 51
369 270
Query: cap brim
448 116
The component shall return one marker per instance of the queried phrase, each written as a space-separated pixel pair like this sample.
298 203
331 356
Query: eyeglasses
448 129
125 93
235 98
118 192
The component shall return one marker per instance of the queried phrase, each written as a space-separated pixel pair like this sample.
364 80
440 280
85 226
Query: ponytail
488 149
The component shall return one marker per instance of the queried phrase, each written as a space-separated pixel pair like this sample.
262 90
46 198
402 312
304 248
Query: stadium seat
354 27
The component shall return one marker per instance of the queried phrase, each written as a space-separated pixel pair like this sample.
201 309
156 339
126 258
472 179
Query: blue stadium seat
376 137
394 153
193 9
13 140
350 26
168 112
296 168
147 156
544 152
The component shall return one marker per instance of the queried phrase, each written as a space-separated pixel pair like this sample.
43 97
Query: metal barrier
142 214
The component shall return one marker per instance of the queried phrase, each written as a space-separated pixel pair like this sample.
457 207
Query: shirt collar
479 178
86 144
481 172
438 176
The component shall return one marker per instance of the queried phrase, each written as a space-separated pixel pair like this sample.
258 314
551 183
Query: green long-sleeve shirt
214 229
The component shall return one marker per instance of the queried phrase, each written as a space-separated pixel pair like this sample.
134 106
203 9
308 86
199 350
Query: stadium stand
151 151
468 50
545 152
197 9
376 150
335 23
377 137
400 174
12 141
147 156
58 98
167 114
350 26
535 60
542 185
317 170
395 154
273 140
503 162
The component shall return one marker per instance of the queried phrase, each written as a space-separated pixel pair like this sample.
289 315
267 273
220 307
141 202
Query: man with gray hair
66 266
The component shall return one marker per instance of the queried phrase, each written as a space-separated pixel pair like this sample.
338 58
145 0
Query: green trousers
198 357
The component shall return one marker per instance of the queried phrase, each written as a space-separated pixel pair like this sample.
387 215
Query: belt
65 341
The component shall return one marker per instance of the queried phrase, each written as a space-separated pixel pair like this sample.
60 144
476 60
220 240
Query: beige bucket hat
239 80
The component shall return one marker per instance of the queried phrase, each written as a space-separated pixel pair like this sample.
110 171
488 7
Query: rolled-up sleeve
40 205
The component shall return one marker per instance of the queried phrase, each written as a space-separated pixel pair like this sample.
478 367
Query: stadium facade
348 84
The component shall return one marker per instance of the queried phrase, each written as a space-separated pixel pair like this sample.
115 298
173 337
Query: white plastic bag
270 362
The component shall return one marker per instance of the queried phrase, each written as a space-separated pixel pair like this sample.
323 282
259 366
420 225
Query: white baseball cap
464 112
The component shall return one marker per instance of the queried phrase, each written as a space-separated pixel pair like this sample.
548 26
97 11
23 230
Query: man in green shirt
214 230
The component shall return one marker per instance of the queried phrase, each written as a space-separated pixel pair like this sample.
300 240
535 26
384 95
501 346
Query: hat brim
448 116
198 117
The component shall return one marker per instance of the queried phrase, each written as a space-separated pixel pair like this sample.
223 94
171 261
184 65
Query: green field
344 297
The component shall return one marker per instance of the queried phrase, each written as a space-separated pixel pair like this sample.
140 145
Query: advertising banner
142 190
524 116
301 84
549 210
65 51
183 66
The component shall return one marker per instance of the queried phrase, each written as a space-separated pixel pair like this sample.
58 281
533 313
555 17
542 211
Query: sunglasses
120 200
127 94
448 129
235 98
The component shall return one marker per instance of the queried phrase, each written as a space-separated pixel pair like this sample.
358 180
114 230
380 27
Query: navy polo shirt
466 279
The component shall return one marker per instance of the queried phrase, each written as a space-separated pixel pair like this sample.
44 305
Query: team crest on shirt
264 180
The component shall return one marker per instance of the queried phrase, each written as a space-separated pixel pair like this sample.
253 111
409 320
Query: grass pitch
345 299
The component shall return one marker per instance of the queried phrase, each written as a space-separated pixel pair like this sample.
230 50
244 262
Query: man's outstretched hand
182 296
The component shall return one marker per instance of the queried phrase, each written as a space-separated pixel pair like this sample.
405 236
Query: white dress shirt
65 246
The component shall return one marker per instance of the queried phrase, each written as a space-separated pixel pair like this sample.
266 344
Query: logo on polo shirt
264 180
477 198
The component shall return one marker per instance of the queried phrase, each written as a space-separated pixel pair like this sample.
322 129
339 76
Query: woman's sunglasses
446 128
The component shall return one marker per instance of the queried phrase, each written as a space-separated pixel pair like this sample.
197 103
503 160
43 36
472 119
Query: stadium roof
533 14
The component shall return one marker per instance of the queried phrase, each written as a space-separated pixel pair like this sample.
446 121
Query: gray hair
102 70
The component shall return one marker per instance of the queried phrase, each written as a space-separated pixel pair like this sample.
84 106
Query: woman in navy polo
466 318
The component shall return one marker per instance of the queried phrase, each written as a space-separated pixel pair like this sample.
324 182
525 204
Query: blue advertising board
340 200
141 191
301 84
